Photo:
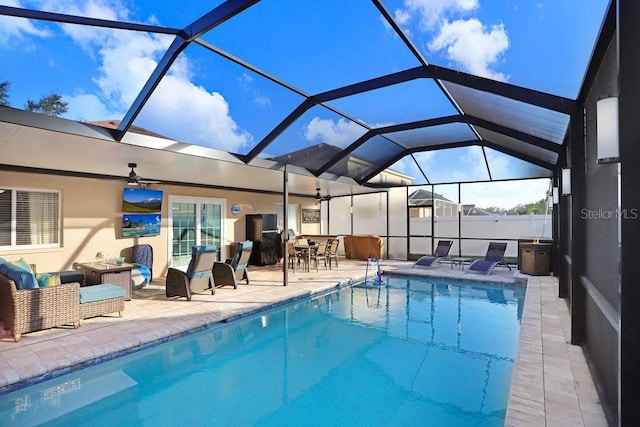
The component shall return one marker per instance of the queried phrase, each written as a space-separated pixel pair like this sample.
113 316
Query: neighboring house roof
113 124
471 210
422 197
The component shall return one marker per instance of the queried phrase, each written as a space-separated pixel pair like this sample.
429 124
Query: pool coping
551 382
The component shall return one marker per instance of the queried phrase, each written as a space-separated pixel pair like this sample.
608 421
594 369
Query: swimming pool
415 351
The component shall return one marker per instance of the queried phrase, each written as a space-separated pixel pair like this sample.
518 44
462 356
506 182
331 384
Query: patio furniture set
493 258
302 251
205 273
32 301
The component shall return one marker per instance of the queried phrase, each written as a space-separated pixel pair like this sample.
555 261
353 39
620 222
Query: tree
51 105
4 93
537 208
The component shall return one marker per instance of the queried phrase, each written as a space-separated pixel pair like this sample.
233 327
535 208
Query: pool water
412 351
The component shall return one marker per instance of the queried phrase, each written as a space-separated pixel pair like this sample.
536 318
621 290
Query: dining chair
319 254
332 251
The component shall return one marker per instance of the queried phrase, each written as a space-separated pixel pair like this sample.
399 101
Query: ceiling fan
320 198
136 180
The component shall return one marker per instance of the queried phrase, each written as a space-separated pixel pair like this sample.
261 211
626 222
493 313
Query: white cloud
101 9
426 160
17 29
126 62
407 166
245 81
503 194
501 165
473 163
465 40
340 133
402 17
431 12
473 46
87 107
178 108
468 166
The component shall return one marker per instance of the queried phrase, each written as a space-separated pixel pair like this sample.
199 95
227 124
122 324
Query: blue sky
313 46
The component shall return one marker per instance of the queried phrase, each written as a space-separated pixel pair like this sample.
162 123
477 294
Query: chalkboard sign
311 215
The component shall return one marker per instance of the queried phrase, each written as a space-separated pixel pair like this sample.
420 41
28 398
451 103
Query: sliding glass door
194 221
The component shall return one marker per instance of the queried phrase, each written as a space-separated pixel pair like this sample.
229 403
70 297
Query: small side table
104 272
459 261
535 259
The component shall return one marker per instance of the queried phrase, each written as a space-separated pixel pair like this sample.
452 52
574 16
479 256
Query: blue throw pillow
47 280
22 278
21 263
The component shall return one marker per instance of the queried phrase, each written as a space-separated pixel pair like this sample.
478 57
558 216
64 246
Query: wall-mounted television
140 225
141 200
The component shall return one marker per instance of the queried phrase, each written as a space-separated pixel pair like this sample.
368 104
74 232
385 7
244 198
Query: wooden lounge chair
493 258
198 276
233 270
441 252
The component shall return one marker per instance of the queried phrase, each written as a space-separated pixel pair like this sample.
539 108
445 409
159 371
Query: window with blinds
29 218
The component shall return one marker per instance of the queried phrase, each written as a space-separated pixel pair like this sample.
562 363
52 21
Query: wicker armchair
29 310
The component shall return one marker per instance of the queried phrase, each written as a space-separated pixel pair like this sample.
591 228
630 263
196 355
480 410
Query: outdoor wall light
318 196
607 128
566 182
555 196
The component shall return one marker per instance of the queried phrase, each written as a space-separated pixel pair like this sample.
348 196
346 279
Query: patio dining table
307 251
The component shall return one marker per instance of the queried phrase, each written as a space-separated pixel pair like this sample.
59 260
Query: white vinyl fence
483 228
